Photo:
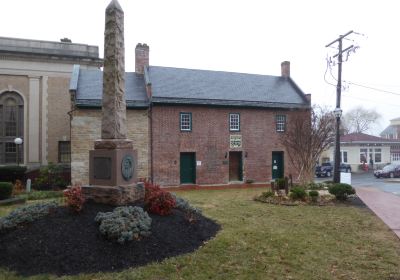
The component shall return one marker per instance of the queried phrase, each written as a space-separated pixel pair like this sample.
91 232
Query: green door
188 168
277 165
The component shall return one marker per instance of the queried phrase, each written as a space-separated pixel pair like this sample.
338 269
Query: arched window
11 127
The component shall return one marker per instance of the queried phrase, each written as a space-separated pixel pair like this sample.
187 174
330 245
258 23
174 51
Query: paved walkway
385 205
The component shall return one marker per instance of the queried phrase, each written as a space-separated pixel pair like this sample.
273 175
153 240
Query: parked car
389 171
326 169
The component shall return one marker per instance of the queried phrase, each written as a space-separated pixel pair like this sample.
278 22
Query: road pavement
368 180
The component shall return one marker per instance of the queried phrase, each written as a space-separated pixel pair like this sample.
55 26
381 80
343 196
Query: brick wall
59 104
86 126
209 139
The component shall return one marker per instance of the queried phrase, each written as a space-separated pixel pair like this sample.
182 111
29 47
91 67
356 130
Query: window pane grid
280 123
186 122
234 122
64 155
10 153
10 120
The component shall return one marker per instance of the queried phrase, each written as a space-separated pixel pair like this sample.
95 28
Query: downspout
151 141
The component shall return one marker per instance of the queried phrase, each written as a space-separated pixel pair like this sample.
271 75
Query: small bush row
10 173
38 195
26 214
124 223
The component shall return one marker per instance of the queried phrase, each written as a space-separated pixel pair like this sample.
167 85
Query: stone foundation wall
86 125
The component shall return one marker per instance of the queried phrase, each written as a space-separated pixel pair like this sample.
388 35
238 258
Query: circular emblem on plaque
127 167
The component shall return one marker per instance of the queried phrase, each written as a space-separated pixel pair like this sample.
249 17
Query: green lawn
262 241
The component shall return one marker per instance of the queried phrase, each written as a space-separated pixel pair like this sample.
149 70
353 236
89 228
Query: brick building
35 100
194 126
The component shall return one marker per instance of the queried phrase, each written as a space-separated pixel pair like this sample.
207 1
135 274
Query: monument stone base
114 195
113 173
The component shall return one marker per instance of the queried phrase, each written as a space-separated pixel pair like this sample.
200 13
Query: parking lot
368 179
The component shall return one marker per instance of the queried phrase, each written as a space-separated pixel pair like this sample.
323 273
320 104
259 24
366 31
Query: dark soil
63 243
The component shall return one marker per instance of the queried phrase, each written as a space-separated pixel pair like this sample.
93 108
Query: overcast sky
247 36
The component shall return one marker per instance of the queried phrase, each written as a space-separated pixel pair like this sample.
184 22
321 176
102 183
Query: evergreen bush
124 223
26 214
184 205
6 189
298 193
341 191
313 195
10 173
50 178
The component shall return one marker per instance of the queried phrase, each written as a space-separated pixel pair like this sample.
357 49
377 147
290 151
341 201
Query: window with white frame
363 155
280 121
377 155
234 122
343 156
186 121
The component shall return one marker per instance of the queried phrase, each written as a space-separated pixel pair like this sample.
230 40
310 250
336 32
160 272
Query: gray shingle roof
188 86
389 130
89 88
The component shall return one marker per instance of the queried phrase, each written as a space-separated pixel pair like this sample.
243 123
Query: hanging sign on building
235 141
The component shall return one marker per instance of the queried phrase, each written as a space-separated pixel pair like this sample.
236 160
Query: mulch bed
67 244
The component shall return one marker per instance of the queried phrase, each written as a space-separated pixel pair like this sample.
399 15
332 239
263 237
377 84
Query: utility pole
338 111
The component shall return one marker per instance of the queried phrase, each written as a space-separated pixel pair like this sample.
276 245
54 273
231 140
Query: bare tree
360 120
307 136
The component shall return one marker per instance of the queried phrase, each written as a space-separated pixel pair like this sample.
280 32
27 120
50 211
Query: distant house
393 132
194 126
359 148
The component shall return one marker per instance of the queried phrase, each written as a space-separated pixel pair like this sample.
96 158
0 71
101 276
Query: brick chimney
308 97
285 69
141 57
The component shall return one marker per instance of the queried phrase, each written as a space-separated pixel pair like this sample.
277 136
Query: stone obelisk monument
112 163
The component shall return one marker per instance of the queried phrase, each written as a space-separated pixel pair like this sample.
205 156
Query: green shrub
5 190
298 193
280 183
267 194
341 191
10 173
124 223
26 214
313 195
315 186
50 177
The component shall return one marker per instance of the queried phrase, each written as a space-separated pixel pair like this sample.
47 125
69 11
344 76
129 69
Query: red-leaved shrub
74 198
158 201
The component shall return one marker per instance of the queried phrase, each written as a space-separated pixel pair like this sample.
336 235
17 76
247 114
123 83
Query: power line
326 71
372 88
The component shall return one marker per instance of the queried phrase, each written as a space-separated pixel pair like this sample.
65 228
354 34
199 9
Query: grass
263 241
40 195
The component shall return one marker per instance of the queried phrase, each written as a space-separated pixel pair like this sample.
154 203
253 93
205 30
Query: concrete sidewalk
385 205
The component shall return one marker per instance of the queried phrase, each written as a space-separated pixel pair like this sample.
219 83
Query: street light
336 172
18 141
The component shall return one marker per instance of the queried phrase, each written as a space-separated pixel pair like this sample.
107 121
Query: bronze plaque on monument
102 168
